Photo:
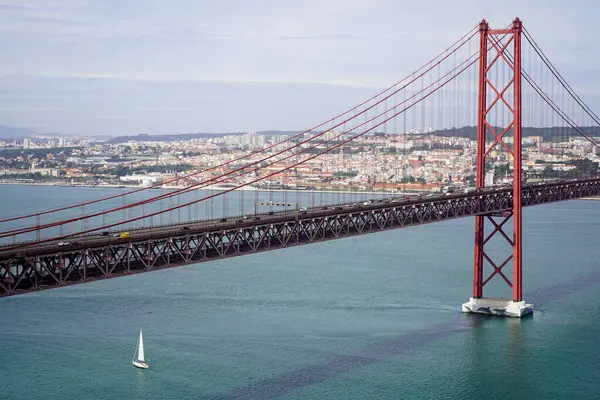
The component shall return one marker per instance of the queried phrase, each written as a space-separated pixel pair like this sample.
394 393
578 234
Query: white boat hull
140 364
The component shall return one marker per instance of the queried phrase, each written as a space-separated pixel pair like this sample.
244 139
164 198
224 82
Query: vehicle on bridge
122 235
448 190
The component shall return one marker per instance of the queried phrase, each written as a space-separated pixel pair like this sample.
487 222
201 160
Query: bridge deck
28 267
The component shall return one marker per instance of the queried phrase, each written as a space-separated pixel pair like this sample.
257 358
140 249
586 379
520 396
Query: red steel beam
517 174
480 172
483 126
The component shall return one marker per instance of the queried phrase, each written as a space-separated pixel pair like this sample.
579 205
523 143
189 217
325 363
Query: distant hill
547 133
167 138
187 136
11 132
16 133
465 132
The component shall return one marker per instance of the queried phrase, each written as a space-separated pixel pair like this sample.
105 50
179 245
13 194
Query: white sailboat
138 356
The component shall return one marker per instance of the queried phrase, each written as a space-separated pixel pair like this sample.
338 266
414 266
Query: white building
144 180
489 178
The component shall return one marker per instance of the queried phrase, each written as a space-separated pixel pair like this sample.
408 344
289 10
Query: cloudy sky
151 66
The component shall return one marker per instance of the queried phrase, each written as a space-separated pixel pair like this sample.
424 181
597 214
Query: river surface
369 317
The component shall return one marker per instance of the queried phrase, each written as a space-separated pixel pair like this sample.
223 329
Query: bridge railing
374 204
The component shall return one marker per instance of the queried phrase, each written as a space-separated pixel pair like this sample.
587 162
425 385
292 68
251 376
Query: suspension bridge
498 81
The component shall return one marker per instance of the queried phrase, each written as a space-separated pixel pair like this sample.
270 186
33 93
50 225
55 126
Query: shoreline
214 187
251 189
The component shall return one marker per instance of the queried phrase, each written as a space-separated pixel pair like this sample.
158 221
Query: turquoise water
370 317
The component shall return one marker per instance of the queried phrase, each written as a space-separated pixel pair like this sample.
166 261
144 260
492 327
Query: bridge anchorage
500 41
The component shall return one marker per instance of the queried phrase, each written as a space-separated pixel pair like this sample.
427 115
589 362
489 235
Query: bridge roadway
29 266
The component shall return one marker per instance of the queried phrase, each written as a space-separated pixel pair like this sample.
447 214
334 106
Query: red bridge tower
502 46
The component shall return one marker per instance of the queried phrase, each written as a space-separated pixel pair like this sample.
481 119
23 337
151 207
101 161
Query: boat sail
138 356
